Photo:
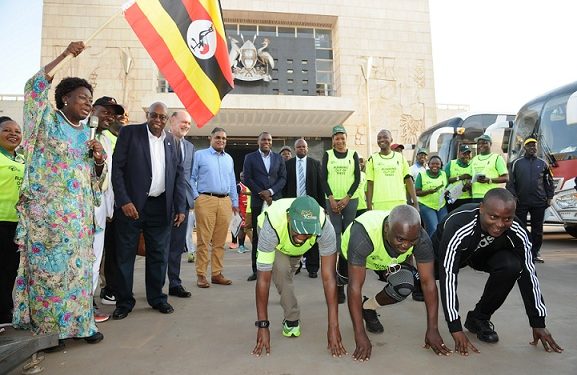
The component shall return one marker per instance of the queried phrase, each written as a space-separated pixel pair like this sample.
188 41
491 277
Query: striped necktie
302 184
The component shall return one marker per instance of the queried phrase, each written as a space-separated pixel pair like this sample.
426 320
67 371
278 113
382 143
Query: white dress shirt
157 162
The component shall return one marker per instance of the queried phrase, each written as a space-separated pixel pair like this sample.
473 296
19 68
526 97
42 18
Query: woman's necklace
68 121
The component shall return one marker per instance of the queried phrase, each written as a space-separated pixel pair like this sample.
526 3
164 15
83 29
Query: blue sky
491 54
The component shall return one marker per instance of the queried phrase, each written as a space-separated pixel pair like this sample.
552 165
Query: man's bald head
403 227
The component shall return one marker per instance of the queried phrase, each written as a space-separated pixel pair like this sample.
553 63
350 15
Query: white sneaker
108 299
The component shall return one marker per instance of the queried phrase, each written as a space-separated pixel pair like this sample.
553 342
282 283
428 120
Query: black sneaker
371 319
341 297
484 329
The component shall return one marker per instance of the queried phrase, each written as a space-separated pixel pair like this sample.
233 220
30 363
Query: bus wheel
571 229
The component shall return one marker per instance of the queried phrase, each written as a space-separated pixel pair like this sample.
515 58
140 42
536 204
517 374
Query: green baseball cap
339 129
484 137
422 151
304 216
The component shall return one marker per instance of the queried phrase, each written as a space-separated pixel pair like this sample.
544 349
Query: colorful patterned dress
55 231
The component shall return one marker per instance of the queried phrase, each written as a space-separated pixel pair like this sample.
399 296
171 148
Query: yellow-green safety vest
277 215
374 224
11 176
433 200
487 165
341 173
456 170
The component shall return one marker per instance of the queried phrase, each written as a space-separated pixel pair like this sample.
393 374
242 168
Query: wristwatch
262 323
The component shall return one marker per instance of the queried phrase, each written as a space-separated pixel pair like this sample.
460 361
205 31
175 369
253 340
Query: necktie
302 184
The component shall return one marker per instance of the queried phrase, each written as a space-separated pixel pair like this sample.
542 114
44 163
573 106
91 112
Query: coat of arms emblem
249 63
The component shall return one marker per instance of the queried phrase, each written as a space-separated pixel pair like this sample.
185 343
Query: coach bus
445 138
552 120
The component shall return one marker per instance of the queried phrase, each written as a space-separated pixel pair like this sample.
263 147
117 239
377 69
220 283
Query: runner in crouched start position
287 230
384 242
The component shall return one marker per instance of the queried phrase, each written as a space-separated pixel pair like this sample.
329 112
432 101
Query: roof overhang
282 115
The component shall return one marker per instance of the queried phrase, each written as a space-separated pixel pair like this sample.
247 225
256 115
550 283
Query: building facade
315 64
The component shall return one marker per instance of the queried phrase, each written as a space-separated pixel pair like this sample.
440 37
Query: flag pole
59 66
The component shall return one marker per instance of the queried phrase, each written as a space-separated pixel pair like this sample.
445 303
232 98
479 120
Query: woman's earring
65 103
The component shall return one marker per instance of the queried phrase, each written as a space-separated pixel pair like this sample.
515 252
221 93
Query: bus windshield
558 137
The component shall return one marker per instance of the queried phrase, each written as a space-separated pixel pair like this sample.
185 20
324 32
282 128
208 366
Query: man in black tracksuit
488 237
530 181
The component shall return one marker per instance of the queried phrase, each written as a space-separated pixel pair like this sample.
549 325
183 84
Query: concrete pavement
213 332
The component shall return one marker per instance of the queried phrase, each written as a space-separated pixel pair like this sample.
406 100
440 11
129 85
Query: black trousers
156 230
110 263
313 258
255 212
537 217
177 247
9 260
504 268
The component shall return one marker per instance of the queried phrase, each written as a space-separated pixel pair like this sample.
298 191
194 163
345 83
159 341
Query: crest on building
249 63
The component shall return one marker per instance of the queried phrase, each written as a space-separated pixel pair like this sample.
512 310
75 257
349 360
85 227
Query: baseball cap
484 137
464 148
339 129
529 140
422 151
285 147
107 101
304 216
396 145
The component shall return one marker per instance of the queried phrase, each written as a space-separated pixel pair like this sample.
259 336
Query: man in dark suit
265 175
304 178
149 188
179 126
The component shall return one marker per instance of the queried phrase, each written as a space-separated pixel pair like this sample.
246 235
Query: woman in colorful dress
61 186
11 172
430 188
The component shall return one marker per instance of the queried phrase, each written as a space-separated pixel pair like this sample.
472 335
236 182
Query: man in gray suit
179 127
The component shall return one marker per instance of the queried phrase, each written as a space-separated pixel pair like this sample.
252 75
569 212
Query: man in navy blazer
179 126
265 175
150 196
313 187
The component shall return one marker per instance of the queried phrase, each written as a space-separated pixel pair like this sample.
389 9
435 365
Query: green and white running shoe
291 329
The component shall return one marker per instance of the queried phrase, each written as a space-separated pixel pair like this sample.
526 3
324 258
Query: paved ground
213 332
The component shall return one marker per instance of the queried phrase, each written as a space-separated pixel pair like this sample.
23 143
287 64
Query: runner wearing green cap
288 229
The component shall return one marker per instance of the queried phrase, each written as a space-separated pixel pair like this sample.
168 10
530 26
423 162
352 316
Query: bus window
558 137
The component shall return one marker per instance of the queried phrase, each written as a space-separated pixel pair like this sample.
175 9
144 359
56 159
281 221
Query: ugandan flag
186 40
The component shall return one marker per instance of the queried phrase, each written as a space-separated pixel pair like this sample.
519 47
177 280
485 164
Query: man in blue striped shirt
215 200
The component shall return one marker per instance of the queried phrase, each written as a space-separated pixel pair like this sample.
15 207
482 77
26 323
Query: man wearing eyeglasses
384 242
149 186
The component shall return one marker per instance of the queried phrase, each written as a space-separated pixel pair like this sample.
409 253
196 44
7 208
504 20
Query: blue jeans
432 217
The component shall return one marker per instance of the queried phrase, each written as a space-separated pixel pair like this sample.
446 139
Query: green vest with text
11 175
456 170
277 215
374 224
341 173
436 200
487 165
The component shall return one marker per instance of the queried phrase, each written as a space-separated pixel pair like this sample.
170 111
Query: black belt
216 195
162 195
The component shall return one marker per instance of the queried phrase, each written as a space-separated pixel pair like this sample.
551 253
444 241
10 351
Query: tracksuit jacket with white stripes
458 237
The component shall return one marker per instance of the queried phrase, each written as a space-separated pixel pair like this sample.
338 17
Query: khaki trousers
213 217
283 271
